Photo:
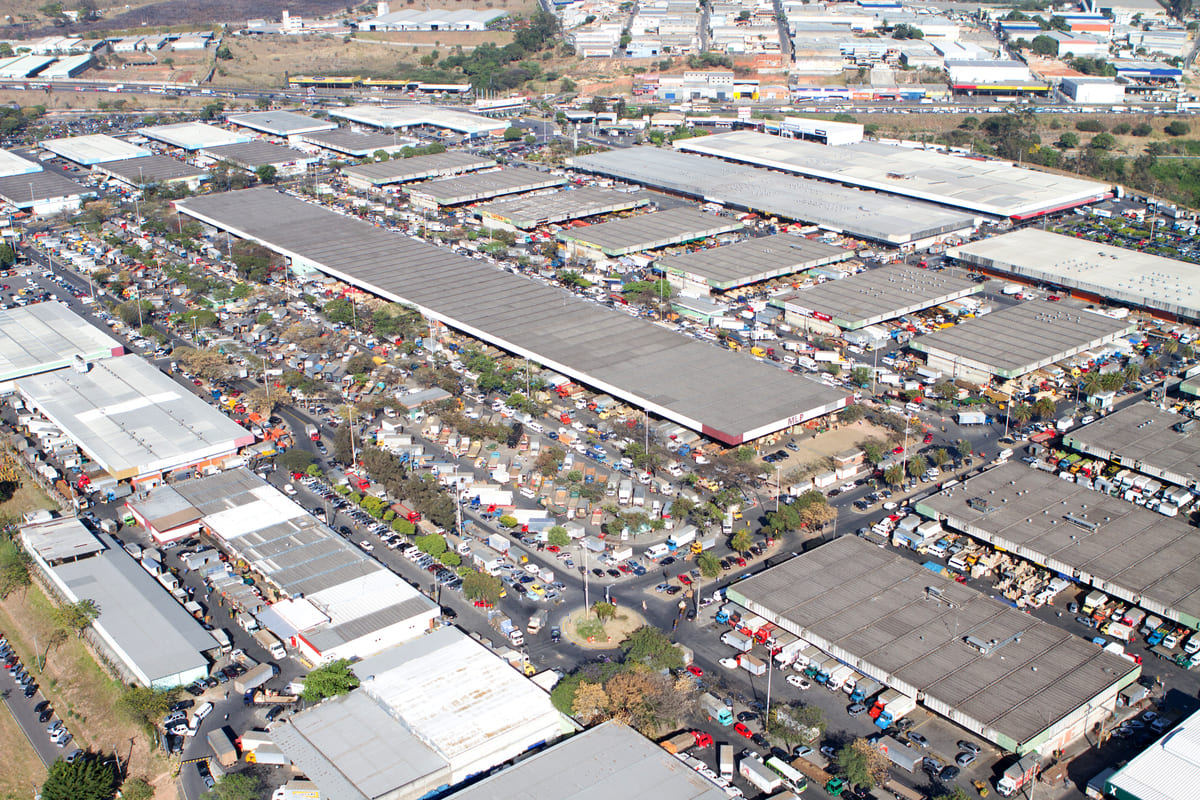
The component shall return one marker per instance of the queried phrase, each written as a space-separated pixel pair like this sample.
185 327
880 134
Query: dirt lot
263 61
817 448
22 768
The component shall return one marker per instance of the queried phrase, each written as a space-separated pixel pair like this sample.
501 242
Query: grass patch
590 629
22 768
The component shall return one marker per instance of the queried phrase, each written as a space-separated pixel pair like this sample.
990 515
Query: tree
940 457
650 646
1090 126
146 706
433 544
862 764
266 173
557 535
963 448
380 155
75 617
861 376
236 786
742 541
1177 128
917 465
1044 408
295 459
14 568
1022 412
84 779
479 586
590 703
709 565
136 789
513 133
894 475
1044 46
1103 141
7 256
904 31
952 793
330 680
796 723
1067 141
604 611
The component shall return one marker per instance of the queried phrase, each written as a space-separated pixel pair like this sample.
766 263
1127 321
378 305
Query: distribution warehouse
1021 683
193 135
481 186
996 188
873 296
866 215
631 359
1157 443
93 149
1123 549
428 715
754 260
1017 340
1089 269
416 116
281 123
403 170
48 336
147 633
133 420
543 209
620 237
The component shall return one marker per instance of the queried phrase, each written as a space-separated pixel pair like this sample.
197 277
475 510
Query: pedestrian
227 718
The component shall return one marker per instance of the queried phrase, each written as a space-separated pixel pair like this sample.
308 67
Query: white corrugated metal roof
1169 769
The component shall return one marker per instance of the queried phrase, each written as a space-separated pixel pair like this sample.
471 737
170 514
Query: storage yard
1092 270
1110 543
632 359
752 261
1015 681
866 215
877 295
1017 340
996 188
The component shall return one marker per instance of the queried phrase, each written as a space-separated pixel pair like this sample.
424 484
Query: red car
692 668
741 561
743 730
898 449
685 580
553 548
928 438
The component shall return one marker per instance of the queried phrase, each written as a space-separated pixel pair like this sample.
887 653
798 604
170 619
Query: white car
798 682
728 663
365 545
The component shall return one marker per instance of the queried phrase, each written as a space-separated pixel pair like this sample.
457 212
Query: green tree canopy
329 680
862 764
84 779
557 535
479 586
266 173
650 646
236 786
146 706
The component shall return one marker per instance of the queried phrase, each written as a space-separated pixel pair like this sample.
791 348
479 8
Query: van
200 715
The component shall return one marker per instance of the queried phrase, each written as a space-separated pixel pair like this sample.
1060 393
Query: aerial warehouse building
628 358
1025 685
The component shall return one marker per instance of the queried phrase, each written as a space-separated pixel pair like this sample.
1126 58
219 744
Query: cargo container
223 747
759 775
903 756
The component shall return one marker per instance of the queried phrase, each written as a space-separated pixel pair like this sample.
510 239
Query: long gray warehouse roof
1144 437
628 358
251 155
609 761
650 231
879 294
484 185
999 188
402 170
131 418
47 336
1017 340
281 123
1123 548
1137 279
543 209
150 170
23 190
353 143
867 215
894 620
758 259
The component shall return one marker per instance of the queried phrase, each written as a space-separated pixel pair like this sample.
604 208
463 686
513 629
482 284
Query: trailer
254 678
223 747
687 739
972 418
725 760
754 666
759 775
903 756
895 710
738 641
833 786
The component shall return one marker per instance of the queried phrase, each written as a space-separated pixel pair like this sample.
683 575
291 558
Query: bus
795 781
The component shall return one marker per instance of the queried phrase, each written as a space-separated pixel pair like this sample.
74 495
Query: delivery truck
270 642
725 760
682 741
223 747
1019 774
833 786
716 710
759 775
537 621
737 641
900 754
895 710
